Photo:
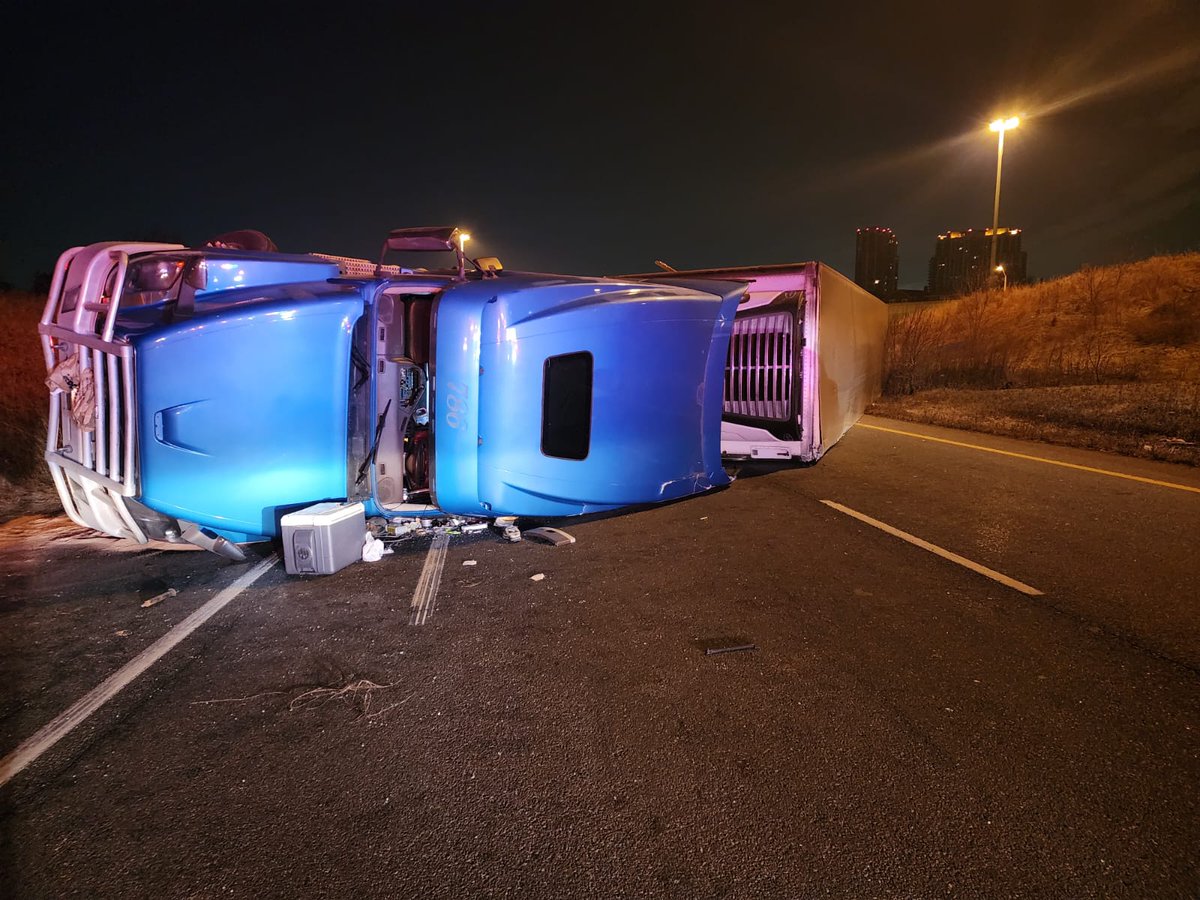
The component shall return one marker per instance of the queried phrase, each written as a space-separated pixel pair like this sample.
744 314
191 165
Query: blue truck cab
200 394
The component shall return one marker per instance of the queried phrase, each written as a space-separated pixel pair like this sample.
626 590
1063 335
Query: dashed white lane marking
1041 459
933 548
61 726
425 596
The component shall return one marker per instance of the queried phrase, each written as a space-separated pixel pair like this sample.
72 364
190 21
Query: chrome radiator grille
759 371
106 446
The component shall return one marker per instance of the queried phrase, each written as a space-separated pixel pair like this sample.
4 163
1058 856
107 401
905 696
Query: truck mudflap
91 437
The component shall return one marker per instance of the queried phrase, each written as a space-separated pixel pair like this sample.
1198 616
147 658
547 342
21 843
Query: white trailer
805 359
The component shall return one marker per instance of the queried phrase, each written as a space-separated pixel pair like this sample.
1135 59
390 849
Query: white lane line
61 726
933 548
1041 459
425 596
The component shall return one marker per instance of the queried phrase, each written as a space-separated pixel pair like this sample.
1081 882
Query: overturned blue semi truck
200 394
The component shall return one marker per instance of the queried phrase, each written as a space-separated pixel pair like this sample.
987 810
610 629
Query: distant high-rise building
877 261
960 260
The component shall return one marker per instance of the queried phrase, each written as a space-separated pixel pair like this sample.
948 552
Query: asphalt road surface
906 726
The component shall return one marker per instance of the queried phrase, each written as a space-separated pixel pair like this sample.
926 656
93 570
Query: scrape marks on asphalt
424 600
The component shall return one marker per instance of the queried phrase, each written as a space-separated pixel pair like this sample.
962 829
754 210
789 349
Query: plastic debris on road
507 526
555 536
468 562
159 598
538 577
373 549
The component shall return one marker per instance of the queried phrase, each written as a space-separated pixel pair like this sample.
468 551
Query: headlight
153 275
196 272
158 278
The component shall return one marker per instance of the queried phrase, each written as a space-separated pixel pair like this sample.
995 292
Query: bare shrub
909 344
1092 358
992 348
1100 339
1173 323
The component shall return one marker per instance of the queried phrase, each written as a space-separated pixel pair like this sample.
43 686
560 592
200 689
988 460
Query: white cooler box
323 538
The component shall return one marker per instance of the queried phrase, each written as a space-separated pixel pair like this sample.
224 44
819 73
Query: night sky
596 138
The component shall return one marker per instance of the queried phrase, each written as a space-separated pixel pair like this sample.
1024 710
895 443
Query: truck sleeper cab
201 394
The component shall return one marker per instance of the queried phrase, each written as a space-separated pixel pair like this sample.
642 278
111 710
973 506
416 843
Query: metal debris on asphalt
713 646
396 530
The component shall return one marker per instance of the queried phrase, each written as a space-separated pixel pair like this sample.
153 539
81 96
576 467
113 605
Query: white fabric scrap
372 548
80 384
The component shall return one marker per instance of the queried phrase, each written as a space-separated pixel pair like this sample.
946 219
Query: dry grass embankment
1107 358
25 485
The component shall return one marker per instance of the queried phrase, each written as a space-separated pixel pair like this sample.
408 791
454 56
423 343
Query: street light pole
999 126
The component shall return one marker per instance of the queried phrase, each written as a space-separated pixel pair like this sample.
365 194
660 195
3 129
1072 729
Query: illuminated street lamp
1000 269
463 237
999 126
